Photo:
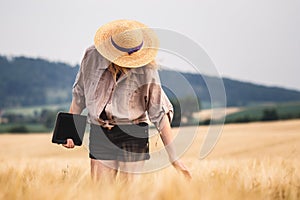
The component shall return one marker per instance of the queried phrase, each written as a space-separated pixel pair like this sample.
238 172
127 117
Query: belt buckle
105 124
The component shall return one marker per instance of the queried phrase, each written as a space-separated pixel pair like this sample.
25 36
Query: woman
119 85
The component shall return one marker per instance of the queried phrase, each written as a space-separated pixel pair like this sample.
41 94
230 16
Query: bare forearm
74 109
167 138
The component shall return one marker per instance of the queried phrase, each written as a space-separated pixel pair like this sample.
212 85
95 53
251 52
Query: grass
32 128
250 161
218 179
284 110
31 110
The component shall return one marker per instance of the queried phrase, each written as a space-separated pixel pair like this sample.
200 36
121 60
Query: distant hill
238 93
27 82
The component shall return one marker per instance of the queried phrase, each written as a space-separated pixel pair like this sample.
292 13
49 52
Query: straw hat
127 43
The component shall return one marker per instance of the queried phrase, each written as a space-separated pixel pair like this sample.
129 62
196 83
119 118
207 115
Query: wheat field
250 161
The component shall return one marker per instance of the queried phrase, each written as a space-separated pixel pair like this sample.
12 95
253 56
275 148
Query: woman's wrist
173 158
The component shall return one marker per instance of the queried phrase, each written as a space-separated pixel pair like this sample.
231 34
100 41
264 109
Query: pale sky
255 40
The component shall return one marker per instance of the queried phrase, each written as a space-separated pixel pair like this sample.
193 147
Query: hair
153 65
115 69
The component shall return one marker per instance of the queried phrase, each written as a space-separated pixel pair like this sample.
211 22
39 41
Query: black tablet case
69 125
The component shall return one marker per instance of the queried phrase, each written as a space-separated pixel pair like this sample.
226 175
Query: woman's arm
167 138
78 100
74 109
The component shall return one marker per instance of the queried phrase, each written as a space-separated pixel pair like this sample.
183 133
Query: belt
109 124
136 130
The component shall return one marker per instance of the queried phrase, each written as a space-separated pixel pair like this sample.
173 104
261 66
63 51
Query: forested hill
238 93
26 82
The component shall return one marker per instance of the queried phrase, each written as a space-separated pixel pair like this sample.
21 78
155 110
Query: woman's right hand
69 144
178 165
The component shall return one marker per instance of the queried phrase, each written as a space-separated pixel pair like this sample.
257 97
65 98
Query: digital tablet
71 126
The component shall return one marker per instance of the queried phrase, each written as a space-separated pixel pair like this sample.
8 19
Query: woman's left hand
179 166
70 144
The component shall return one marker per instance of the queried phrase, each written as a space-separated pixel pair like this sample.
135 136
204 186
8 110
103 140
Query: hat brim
142 57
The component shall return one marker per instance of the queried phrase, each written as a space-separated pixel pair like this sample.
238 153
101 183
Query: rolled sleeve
78 89
159 106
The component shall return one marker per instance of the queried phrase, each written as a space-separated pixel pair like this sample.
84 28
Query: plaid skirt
127 143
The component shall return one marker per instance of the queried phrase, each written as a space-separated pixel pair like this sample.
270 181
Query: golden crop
250 161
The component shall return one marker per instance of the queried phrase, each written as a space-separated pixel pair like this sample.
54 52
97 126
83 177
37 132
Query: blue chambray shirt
136 97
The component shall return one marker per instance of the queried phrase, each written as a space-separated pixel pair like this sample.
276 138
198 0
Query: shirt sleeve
158 106
78 87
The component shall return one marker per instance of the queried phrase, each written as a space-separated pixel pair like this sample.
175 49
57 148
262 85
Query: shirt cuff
79 100
159 122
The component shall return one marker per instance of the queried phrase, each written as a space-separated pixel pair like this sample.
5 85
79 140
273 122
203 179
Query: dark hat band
127 50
